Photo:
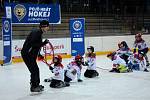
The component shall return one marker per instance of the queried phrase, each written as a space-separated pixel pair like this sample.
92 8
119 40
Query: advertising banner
77 36
33 13
60 47
7 40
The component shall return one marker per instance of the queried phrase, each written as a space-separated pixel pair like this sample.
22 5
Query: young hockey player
141 45
91 63
58 78
137 62
29 53
119 65
74 69
124 51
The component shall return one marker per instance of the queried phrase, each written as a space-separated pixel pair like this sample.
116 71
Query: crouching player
119 65
137 62
124 51
74 69
91 63
58 78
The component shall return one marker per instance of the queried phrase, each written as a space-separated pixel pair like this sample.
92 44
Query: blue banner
33 13
77 36
7 40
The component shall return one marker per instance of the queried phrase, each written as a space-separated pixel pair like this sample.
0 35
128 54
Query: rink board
103 45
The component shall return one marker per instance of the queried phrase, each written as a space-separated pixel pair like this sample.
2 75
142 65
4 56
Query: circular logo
6 26
77 25
20 11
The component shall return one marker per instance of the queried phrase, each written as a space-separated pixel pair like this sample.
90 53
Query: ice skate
145 70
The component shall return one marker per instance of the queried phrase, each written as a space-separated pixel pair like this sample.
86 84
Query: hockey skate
145 70
39 88
148 65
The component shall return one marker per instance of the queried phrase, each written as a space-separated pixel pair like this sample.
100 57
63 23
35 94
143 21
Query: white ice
14 84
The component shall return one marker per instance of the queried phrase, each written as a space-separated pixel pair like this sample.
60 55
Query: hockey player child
29 53
58 78
73 70
119 65
137 62
91 63
124 51
141 45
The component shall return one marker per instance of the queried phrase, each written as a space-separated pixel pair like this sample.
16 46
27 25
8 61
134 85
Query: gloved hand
45 41
40 57
79 80
86 64
51 68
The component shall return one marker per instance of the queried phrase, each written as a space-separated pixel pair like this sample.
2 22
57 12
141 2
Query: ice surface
14 84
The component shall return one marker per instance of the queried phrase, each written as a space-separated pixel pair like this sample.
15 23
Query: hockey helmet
44 23
59 58
124 44
78 58
90 48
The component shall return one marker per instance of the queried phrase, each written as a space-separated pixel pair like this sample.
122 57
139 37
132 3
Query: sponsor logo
6 26
20 11
77 25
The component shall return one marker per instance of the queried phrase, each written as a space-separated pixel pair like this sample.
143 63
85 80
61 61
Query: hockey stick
49 51
103 68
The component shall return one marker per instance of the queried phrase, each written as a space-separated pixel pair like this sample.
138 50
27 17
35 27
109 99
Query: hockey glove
86 64
51 68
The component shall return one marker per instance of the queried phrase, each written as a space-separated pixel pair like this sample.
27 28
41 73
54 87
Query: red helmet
78 58
59 58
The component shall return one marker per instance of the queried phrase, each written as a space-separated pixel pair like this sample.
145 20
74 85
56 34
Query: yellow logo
19 11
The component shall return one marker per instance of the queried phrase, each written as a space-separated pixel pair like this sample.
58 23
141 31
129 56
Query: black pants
57 84
91 73
33 68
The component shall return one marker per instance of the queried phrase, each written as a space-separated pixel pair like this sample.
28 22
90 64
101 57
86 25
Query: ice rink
14 84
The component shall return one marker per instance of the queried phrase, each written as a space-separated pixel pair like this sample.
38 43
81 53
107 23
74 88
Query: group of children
63 76
125 61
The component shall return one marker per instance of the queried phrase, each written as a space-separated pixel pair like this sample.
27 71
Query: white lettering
48 14
30 13
40 14
44 14
36 14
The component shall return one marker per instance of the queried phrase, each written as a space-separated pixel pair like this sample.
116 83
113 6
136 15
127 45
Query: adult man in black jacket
30 51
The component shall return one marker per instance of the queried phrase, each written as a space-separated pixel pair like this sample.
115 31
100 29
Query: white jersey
140 45
118 61
124 51
91 60
73 71
58 72
135 59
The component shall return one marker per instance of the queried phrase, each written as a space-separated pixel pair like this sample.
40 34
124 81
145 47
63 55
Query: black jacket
32 44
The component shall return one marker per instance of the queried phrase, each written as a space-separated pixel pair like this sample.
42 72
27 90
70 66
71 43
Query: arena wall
102 45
